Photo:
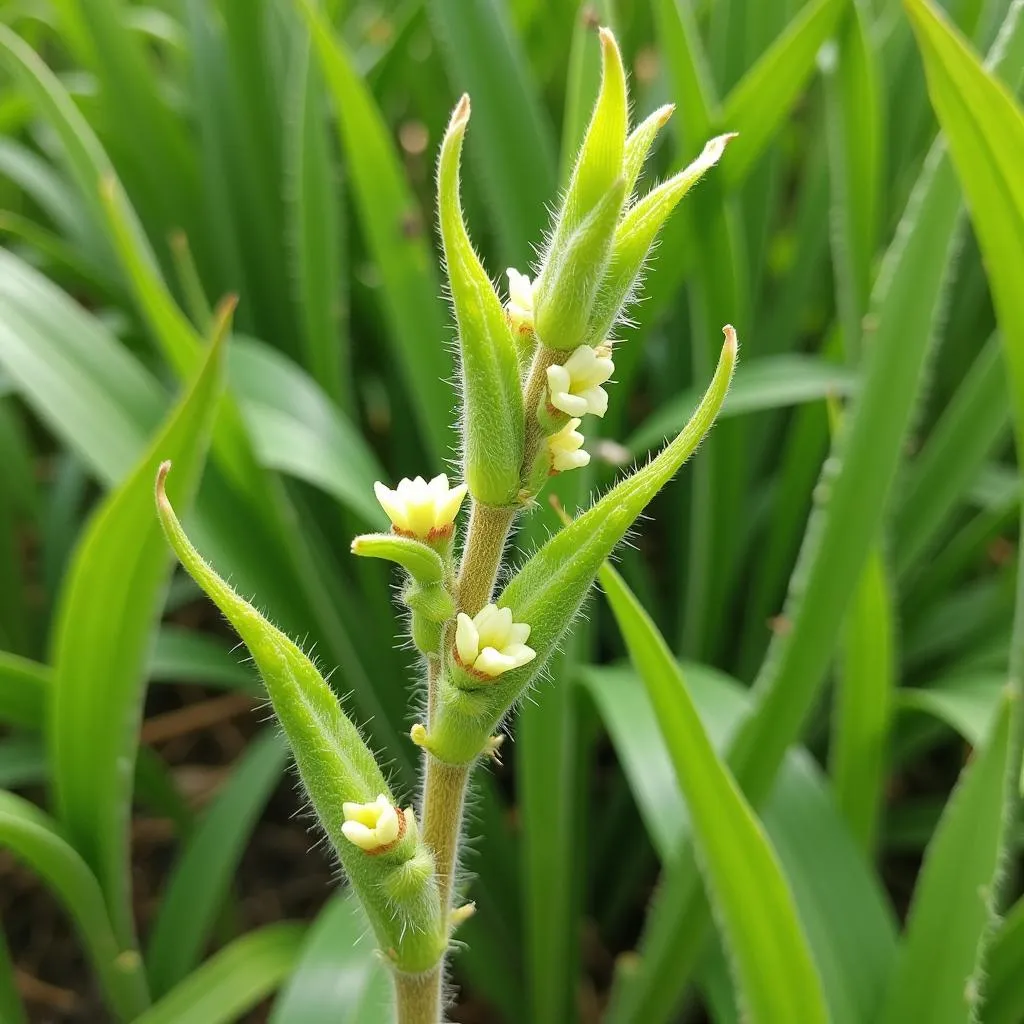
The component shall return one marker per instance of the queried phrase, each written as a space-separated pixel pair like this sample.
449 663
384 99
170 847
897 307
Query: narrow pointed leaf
234 980
952 912
35 839
112 596
775 972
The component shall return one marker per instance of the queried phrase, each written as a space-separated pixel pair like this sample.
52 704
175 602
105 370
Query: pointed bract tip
731 343
460 115
161 478
665 113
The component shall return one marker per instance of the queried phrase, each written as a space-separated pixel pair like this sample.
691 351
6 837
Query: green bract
492 393
397 886
579 246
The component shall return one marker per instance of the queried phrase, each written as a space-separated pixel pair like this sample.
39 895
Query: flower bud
520 302
493 421
566 448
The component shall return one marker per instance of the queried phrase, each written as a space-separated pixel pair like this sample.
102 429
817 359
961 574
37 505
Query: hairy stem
533 392
481 557
418 997
444 797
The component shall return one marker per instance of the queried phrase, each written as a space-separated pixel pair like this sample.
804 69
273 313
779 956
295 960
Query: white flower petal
519 633
359 835
493 663
565 461
572 405
597 400
520 654
558 379
467 639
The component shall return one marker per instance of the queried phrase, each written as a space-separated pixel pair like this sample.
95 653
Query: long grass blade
113 594
775 972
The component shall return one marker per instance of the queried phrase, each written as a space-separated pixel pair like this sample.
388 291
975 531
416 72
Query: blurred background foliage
157 156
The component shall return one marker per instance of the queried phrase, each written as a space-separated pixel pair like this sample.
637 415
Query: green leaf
316 237
337 975
234 980
387 211
851 502
855 151
967 703
485 59
966 433
201 881
758 104
112 596
1004 993
492 393
985 129
35 840
12 1010
22 762
295 428
862 707
850 927
768 382
88 390
775 972
952 911
24 685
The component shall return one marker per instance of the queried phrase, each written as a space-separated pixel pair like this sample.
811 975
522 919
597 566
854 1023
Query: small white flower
421 509
566 448
371 827
520 301
491 643
575 387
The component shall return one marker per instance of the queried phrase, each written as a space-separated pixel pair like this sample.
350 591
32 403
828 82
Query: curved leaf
112 595
338 974
34 839
763 936
232 981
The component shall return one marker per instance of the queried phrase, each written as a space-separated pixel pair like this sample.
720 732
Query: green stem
444 797
533 392
481 557
418 997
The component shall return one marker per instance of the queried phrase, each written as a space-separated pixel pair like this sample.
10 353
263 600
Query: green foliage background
836 572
